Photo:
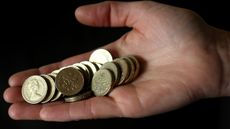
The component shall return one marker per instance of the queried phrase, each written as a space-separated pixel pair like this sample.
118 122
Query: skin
182 60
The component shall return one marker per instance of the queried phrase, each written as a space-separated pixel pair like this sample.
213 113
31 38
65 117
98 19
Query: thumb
113 14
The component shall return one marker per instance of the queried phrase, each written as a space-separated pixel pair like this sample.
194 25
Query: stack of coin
40 89
81 80
118 72
74 81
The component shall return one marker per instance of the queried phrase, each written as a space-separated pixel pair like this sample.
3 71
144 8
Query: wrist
223 48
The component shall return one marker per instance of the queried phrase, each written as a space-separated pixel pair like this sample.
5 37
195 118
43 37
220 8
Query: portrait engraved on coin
34 89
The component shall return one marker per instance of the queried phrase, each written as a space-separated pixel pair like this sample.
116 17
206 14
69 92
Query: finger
49 68
13 95
97 107
25 111
18 78
111 13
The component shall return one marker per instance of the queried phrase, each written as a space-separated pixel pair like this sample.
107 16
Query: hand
178 54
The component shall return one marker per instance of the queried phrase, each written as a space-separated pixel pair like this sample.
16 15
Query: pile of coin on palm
83 80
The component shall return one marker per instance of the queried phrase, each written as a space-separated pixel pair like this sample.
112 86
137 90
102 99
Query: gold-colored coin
137 65
132 69
79 97
69 81
101 56
102 82
34 89
51 88
58 70
90 72
125 69
82 71
115 68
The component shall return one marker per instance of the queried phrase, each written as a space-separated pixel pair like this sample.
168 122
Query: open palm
179 64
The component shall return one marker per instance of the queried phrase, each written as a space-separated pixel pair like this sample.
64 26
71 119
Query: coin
34 89
131 71
90 72
69 81
125 69
81 66
93 67
53 75
137 65
79 96
101 56
57 94
64 67
86 72
98 65
82 71
51 88
102 82
114 67
56 71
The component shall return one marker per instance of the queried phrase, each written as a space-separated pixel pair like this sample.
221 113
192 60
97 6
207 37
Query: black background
35 33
